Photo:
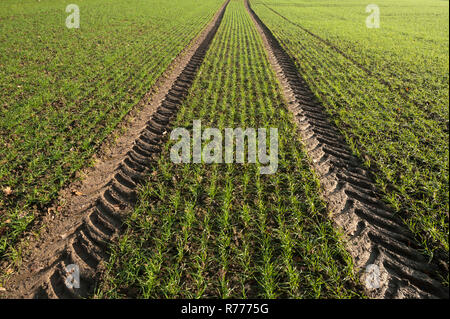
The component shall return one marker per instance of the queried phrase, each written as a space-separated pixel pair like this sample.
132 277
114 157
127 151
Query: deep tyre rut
375 235
86 245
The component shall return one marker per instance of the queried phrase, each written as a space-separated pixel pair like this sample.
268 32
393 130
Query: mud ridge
85 243
373 234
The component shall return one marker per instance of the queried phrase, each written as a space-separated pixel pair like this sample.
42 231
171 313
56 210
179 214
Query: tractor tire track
86 242
374 234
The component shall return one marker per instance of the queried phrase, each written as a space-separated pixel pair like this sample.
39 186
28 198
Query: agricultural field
224 149
62 91
386 89
225 230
